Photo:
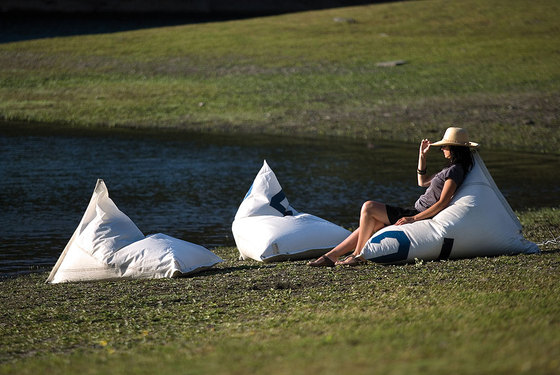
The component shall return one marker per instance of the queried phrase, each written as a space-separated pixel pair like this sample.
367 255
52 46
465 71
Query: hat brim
447 143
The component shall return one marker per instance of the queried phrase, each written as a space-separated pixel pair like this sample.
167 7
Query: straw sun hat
455 137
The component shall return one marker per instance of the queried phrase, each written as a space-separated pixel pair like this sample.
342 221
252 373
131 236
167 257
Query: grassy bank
485 315
491 66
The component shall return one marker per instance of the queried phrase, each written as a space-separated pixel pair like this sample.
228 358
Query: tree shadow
227 270
17 27
44 22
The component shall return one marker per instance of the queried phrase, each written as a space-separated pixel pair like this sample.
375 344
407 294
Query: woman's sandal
351 260
322 261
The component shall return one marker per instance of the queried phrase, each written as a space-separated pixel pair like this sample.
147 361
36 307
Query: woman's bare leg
373 217
346 246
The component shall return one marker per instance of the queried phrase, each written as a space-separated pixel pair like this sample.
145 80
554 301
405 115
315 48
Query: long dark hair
461 155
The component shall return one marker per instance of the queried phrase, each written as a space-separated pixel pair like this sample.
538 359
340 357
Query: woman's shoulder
455 172
452 168
456 167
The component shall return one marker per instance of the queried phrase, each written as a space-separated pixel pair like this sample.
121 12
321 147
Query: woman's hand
423 179
424 147
405 220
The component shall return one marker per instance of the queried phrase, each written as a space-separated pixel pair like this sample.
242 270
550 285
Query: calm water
189 186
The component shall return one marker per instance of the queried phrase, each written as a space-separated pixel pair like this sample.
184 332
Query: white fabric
162 255
478 222
266 228
108 245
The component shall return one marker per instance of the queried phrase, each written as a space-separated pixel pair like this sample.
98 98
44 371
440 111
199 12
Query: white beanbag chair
108 245
266 228
478 222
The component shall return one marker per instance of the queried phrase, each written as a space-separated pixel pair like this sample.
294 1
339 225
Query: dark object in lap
395 213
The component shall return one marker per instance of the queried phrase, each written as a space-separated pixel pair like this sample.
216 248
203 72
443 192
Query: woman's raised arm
423 179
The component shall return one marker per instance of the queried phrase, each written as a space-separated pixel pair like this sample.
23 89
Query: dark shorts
395 213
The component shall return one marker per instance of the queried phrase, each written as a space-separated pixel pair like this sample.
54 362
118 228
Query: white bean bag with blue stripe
108 245
478 222
266 228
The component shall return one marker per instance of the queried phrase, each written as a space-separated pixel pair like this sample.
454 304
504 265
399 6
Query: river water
190 185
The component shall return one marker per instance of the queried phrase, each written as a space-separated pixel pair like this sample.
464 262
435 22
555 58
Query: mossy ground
485 315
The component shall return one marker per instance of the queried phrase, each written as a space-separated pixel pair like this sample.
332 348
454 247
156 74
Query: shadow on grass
28 26
551 251
45 21
228 270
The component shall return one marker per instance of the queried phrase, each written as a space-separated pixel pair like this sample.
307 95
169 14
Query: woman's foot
322 261
351 260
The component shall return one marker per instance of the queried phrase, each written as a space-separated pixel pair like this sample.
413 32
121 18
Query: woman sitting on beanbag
441 188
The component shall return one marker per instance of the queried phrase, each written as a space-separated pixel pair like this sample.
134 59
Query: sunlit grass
486 315
485 65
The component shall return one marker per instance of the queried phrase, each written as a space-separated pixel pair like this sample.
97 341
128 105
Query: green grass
474 316
490 66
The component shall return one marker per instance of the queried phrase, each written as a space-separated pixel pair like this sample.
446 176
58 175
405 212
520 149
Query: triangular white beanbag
266 228
108 245
478 222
